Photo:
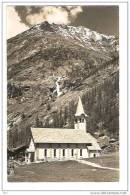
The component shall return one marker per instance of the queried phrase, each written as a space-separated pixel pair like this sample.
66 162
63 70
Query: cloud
51 14
31 15
75 11
20 18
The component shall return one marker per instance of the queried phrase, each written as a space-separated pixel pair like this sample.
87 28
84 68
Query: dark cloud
22 13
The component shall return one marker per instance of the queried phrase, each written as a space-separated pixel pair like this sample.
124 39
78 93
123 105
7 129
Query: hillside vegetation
87 66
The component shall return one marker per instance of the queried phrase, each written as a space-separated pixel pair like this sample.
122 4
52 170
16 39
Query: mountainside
49 66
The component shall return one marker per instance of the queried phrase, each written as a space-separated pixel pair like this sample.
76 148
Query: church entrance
32 157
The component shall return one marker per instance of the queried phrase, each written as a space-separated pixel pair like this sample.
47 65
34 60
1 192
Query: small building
17 153
48 144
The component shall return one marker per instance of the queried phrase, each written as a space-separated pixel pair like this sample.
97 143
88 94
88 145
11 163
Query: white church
49 144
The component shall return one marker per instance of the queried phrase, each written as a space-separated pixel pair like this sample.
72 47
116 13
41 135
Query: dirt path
96 165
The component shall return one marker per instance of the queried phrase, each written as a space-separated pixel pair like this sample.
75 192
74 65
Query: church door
32 157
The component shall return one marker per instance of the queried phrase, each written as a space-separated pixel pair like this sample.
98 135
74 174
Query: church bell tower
80 117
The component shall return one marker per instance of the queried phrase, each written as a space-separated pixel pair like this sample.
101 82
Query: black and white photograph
63 93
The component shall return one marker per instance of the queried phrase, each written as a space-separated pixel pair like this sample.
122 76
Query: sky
104 19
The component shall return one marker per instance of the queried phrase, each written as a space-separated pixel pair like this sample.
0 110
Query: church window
94 155
72 152
45 152
54 152
63 152
76 120
80 120
80 152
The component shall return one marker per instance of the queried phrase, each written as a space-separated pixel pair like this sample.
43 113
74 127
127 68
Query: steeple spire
80 117
80 109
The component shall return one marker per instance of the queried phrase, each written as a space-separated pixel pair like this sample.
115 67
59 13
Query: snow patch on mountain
84 37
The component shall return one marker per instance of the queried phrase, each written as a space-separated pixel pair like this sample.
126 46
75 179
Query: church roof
93 147
54 135
80 109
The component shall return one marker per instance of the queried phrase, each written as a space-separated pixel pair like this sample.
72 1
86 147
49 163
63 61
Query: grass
109 160
66 171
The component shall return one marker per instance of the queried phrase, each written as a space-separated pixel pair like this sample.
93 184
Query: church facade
49 144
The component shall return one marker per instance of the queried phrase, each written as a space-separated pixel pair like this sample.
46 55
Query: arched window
45 152
76 120
80 120
80 152
54 152
94 155
63 152
72 152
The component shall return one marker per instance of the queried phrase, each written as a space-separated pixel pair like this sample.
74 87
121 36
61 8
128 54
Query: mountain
49 66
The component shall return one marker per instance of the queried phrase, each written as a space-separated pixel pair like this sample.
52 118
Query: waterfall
58 90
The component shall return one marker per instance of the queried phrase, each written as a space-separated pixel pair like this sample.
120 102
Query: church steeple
80 109
80 117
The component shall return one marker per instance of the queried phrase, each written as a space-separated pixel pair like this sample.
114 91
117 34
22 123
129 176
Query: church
50 144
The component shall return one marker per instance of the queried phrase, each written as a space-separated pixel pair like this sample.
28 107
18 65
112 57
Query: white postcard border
88 186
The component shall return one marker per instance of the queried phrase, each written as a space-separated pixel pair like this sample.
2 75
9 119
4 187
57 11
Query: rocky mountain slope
49 66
